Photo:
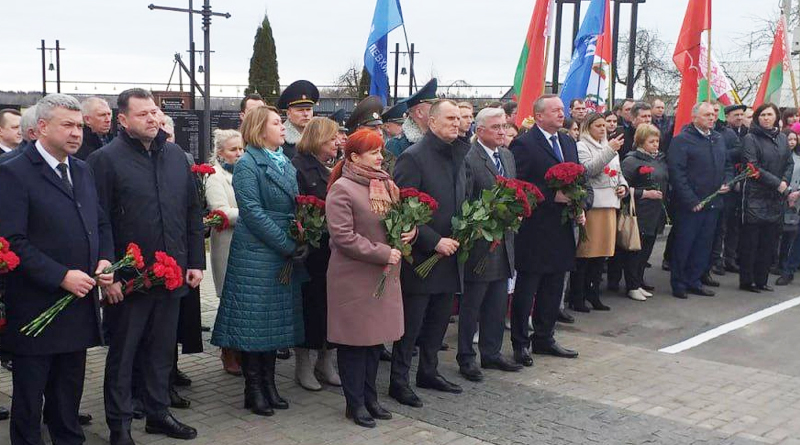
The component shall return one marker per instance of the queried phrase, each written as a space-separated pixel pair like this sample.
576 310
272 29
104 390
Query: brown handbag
628 228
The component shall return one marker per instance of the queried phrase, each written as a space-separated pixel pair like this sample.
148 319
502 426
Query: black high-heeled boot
593 297
267 360
254 398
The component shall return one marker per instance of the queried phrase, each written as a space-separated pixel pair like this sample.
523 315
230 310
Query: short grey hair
488 113
538 106
434 112
638 107
46 105
696 108
90 103
220 138
28 121
168 120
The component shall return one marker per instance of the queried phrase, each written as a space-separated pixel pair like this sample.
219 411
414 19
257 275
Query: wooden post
708 68
546 59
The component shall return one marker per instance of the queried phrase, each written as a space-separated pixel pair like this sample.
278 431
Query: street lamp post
44 50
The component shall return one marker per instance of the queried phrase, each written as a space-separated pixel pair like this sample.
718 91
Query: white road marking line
728 327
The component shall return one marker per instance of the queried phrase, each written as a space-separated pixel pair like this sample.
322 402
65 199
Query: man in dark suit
434 165
97 125
55 224
485 296
544 246
698 166
145 185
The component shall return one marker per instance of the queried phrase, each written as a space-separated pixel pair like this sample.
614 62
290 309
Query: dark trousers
483 304
614 268
59 379
636 262
315 313
732 214
547 289
147 324
717 247
358 368
691 250
585 279
425 318
757 246
788 238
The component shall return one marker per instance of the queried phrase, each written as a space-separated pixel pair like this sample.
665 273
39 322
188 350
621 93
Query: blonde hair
253 125
643 133
220 138
318 131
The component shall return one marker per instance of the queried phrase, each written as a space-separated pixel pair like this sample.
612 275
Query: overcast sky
477 41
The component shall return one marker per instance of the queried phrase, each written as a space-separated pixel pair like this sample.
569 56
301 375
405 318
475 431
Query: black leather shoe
564 317
7 365
523 357
471 372
703 292
138 409
555 350
749 288
580 307
500 363
360 416
377 411
386 356
3 413
284 354
121 437
405 396
83 419
181 379
731 267
766 288
718 269
708 280
648 287
438 383
784 280
680 294
169 426
176 401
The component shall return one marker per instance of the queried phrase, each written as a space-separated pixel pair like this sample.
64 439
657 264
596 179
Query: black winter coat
698 166
91 142
437 168
151 199
769 152
312 179
544 244
650 212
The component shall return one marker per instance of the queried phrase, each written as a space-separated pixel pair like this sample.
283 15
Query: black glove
300 253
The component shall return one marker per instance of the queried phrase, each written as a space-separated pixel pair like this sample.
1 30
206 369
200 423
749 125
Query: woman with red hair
359 195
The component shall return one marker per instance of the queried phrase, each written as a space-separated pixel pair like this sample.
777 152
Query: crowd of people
75 194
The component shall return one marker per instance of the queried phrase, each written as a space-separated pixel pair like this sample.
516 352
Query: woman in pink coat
359 195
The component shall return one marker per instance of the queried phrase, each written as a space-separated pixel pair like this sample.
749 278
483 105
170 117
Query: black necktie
62 170
498 164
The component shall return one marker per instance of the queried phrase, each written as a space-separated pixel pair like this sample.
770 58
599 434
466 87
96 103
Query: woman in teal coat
258 315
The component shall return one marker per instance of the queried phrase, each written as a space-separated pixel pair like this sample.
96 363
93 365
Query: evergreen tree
363 83
264 65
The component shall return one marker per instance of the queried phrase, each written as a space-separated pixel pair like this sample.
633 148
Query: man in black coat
485 296
149 192
434 165
54 222
698 166
97 125
544 246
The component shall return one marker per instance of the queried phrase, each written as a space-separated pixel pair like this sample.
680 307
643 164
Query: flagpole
546 59
708 71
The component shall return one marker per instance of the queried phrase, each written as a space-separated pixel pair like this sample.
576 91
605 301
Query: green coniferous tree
363 83
264 65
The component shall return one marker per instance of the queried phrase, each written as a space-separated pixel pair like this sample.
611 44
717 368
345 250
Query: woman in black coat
317 147
646 171
764 197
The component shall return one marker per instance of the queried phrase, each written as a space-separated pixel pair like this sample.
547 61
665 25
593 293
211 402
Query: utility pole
57 66
206 13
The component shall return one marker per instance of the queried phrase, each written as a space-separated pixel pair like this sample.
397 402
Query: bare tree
655 75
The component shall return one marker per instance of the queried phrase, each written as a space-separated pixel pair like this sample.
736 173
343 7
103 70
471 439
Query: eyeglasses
496 128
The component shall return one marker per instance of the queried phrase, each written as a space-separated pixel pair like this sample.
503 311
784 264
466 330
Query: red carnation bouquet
306 229
569 178
132 259
645 171
202 171
8 262
414 209
745 171
510 200
217 220
165 271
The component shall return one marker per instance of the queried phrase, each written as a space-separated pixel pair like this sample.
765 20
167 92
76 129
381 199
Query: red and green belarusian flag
771 83
529 78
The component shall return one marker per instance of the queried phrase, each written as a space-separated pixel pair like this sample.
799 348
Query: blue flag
577 82
387 17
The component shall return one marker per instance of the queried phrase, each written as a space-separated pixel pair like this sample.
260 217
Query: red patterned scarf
382 190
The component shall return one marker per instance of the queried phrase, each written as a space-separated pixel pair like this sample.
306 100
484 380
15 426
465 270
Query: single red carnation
4 245
8 261
646 170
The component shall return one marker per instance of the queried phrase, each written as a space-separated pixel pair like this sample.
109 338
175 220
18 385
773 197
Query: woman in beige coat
228 148
359 195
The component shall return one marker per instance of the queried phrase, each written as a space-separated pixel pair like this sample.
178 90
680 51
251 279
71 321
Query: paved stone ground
613 394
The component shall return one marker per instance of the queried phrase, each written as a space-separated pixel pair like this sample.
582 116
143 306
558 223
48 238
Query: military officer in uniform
298 99
416 124
393 118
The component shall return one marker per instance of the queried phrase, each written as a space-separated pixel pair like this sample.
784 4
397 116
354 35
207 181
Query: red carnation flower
646 170
4 245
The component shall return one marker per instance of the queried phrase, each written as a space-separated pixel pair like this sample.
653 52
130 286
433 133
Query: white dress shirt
53 162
